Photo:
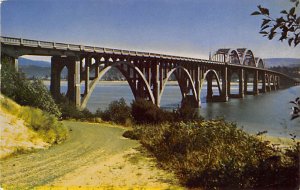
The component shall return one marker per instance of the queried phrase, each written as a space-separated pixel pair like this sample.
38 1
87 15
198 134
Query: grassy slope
15 136
94 155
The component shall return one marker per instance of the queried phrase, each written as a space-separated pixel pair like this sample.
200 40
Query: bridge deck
22 46
92 49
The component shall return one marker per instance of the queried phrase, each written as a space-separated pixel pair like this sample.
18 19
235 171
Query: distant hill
42 69
37 69
287 62
33 71
29 62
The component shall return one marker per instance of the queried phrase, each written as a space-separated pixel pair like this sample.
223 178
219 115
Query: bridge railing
14 41
74 47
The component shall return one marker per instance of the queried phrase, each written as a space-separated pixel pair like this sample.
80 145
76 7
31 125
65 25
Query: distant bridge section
148 73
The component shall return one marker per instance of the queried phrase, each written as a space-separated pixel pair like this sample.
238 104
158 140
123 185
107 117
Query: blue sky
178 27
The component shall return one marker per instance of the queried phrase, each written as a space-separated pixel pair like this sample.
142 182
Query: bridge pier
246 80
241 83
56 68
156 84
269 83
209 96
15 62
12 60
224 94
263 85
278 82
73 66
88 61
255 83
198 86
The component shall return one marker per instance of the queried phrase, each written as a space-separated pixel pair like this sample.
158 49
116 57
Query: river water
265 112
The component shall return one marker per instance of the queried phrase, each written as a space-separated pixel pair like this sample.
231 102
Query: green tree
118 111
25 92
286 26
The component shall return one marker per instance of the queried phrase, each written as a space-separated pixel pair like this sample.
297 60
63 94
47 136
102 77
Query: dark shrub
187 112
15 86
144 111
216 154
69 109
118 111
131 135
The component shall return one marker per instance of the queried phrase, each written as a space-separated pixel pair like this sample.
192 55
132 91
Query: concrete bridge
148 73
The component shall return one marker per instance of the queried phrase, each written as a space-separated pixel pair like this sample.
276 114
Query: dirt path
93 156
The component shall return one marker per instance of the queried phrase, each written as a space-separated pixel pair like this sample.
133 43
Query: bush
145 112
130 134
15 86
216 154
69 109
187 112
118 111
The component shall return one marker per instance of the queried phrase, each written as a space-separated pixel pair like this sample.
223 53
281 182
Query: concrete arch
260 63
106 69
188 77
227 54
204 77
234 52
246 52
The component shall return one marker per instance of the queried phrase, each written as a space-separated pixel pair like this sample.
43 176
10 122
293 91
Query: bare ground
95 155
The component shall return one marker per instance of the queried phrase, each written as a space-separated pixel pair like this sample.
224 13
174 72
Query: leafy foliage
288 24
216 154
145 112
15 85
118 111
69 109
187 112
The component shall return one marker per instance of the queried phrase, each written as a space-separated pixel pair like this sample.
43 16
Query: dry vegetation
27 128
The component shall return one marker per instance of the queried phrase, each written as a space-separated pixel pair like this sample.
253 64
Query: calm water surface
268 112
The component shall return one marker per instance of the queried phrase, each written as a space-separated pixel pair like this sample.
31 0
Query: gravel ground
95 155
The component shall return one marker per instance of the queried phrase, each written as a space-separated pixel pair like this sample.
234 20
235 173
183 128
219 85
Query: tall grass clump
217 155
46 125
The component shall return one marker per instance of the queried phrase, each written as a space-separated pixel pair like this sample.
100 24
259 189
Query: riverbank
95 155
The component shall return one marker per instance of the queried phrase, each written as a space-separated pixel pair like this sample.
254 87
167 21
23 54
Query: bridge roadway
147 73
